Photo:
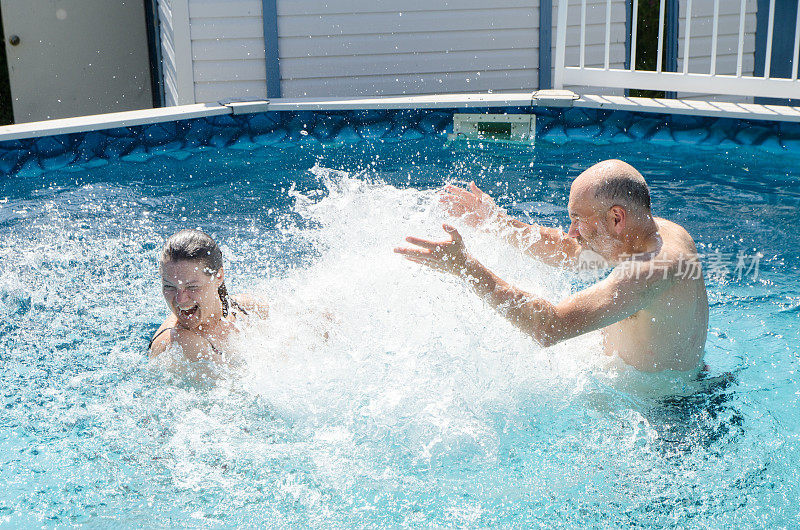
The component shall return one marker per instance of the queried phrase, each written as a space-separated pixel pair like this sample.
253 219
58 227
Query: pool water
379 393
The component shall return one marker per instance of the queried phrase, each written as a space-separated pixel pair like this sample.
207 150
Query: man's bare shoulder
678 258
665 265
677 242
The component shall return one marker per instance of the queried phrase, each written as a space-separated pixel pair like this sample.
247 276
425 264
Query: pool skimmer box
502 127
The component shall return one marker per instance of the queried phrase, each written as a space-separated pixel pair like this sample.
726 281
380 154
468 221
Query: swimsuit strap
156 336
213 348
235 304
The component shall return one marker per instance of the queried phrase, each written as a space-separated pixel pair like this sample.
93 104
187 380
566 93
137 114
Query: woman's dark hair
194 245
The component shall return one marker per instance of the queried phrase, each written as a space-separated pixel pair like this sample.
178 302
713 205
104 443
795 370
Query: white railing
683 80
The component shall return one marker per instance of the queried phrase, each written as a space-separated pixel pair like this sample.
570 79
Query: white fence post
561 44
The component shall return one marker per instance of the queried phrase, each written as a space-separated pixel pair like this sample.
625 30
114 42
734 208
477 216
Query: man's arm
620 295
478 209
549 245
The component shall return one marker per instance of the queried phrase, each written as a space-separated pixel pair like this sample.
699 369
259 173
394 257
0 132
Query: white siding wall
377 47
227 49
381 47
362 47
388 47
727 40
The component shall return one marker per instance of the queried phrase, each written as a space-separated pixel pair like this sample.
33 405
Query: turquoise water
422 406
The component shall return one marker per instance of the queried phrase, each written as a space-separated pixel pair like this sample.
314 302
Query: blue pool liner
282 129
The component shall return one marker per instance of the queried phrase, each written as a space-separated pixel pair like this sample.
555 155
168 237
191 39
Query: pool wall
76 144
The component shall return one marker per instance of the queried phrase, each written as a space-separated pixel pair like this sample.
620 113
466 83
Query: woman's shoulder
162 338
252 304
193 345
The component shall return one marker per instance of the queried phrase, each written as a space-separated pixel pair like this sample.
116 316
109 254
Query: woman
204 316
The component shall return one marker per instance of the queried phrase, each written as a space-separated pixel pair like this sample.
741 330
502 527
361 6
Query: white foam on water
377 392
364 344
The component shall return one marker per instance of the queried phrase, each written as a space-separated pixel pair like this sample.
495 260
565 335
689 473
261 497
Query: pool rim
542 98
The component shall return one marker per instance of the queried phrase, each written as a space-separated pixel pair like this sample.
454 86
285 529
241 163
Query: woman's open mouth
186 313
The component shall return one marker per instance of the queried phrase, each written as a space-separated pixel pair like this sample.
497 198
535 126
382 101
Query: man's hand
478 209
528 313
473 205
447 256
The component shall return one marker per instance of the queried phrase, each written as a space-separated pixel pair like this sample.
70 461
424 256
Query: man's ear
220 275
619 218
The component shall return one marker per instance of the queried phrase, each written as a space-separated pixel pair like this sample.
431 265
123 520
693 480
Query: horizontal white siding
388 47
381 47
415 84
412 63
496 17
413 42
227 50
176 54
339 7
212 91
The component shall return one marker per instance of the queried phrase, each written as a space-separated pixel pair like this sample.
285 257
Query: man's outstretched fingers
455 190
424 243
476 191
450 199
407 251
453 232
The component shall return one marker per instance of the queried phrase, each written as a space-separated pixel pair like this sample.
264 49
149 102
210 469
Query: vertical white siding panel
176 52
167 52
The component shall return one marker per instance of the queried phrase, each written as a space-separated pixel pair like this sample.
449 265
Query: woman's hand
474 206
447 256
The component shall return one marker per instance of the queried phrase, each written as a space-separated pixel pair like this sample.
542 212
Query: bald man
652 308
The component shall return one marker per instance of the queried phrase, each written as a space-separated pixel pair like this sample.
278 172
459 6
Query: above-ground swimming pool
379 393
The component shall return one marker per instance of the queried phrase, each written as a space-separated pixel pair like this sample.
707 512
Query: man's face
589 223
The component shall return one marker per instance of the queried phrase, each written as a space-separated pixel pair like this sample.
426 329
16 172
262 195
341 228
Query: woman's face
191 293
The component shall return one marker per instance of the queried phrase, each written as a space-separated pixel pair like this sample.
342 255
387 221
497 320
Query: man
652 308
